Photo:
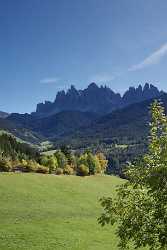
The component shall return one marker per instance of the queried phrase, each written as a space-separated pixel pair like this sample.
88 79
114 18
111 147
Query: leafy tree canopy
140 207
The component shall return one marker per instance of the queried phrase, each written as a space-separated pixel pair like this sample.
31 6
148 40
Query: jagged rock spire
97 99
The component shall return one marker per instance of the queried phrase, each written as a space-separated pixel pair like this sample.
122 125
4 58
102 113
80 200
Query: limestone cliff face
101 100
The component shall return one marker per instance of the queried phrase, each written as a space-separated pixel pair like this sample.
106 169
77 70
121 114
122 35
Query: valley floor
46 212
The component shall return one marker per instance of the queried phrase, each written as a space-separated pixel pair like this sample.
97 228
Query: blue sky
48 45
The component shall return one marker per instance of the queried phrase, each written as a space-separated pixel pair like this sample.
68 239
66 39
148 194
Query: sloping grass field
46 212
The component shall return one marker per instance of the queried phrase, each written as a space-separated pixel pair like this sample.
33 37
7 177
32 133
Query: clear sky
47 45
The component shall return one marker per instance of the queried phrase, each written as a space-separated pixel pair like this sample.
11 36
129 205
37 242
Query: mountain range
3 114
93 114
101 100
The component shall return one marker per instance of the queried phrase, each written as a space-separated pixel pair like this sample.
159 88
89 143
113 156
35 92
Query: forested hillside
11 148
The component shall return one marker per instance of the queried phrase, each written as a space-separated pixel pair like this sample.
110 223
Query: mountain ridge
54 125
100 100
3 114
57 124
129 124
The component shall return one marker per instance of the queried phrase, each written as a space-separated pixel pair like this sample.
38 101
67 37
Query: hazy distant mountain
3 114
101 100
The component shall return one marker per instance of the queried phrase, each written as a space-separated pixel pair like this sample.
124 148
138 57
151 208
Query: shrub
68 170
93 164
52 164
42 170
5 166
59 171
103 162
31 166
26 166
61 159
83 159
17 167
91 161
82 170
20 166
44 160
15 163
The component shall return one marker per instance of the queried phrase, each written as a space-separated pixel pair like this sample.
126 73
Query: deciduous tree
140 208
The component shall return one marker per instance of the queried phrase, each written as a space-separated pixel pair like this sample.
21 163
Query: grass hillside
46 212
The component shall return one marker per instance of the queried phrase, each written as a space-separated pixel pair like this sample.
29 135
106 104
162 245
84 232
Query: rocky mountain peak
93 86
97 99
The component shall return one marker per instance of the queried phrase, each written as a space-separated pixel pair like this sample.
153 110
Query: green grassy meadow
47 212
